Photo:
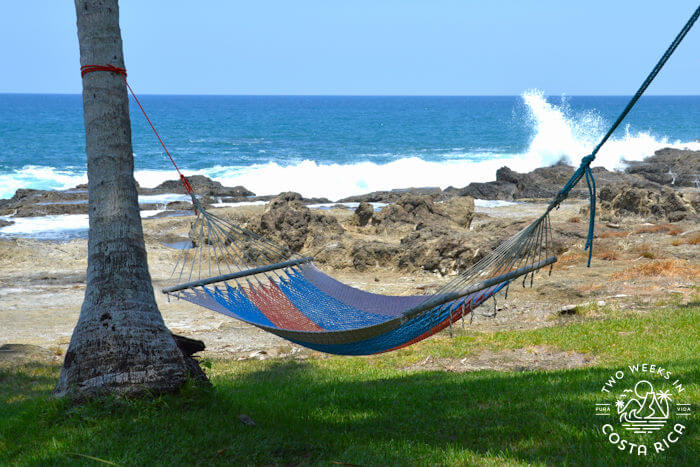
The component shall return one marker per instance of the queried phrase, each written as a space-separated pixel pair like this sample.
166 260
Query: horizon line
563 94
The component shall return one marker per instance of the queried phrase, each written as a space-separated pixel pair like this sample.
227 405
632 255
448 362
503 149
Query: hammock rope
85 69
585 167
234 271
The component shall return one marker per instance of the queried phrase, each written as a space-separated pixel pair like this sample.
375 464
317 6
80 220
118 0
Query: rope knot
85 69
586 161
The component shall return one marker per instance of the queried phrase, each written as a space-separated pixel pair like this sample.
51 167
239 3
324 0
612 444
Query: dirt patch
526 359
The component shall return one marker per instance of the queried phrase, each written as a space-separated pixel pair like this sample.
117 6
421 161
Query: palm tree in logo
662 399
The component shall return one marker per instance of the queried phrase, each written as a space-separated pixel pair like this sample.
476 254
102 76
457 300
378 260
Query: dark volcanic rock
438 249
202 186
199 234
672 167
373 254
364 213
30 203
393 195
180 206
446 250
315 200
543 182
435 236
412 210
489 190
287 219
4 223
52 209
48 195
626 200
458 209
271 197
692 197
26 196
408 209
668 167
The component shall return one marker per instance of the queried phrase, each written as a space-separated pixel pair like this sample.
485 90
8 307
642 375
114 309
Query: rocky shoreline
169 195
669 173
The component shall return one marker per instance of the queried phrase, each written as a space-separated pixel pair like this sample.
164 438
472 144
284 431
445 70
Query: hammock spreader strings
532 245
223 249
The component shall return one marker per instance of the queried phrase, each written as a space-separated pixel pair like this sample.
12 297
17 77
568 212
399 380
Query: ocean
323 146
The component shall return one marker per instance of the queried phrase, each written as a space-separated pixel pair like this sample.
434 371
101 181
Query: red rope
122 72
90 68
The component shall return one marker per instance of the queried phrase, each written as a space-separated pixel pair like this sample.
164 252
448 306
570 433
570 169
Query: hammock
244 276
237 273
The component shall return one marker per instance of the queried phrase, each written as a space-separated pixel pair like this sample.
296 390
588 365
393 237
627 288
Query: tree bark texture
120 344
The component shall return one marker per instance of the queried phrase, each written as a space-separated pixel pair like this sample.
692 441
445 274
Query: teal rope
591 220
584 169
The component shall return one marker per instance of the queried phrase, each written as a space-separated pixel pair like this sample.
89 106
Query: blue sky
380 47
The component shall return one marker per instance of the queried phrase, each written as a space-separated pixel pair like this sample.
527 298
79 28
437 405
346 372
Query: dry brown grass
646 251
659 268
693 239
570 258
614 234
608 255
669 229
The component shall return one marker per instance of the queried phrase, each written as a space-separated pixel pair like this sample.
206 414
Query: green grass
367 410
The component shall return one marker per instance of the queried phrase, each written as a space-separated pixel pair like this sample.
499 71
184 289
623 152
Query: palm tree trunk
120 344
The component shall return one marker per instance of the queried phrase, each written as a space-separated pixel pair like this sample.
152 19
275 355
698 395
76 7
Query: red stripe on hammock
275 305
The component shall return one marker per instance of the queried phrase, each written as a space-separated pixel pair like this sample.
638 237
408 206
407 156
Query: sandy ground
42 283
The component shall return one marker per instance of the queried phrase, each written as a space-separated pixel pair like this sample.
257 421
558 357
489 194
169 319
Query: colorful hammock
235 272
260 283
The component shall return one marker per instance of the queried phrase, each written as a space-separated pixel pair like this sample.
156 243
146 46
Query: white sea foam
46 226
162 199
557 135
242 203
31 176
493 203
58 227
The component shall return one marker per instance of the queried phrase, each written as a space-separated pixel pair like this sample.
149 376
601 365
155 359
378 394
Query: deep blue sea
340 146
